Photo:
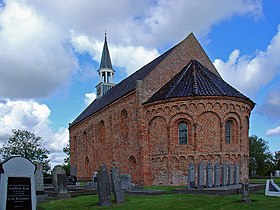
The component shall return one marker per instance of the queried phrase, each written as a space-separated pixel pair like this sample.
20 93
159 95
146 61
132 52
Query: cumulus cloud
128 57
250 73
273 131
35 58
89 97
34 117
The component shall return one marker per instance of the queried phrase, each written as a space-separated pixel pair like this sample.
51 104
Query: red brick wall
143 140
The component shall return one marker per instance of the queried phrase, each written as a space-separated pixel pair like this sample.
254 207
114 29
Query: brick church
175 110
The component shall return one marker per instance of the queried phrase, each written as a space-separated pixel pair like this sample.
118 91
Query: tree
277 160
66 164
26 144
261 158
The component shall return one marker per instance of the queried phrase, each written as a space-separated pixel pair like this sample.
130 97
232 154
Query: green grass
263 181
168 201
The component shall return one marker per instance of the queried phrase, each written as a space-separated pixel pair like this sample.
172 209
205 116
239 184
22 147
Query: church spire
105 72
105 59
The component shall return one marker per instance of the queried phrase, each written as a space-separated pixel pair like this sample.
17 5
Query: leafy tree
26 144
277 160
261 158
66 164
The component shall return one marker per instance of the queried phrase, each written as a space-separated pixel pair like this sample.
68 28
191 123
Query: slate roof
195 80
105 58
121 89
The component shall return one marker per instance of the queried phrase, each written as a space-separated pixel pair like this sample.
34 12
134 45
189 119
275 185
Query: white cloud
34 117
89 97
34 56
249 74
273 131
128 57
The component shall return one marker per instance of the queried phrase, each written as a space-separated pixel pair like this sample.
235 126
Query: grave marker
217 177
116 185
200 181
126 181
224 174
103 186
17 184
236 174
57 170
191 176
209 175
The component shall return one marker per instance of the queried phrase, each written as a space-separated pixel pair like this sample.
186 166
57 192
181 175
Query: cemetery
23 187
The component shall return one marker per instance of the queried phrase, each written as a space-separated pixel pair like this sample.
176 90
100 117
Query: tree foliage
261 158
66 164
26 144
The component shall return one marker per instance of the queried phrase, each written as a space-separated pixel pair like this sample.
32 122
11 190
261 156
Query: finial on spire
105 34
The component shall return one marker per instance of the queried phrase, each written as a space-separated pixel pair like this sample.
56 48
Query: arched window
102 131
85 140
87 167
183 133
124 124
132 162
229 126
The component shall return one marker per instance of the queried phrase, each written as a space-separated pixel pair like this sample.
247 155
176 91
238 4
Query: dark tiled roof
195 80
105 58
121 89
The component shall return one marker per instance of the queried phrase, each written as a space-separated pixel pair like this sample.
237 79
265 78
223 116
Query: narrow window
183 133
228 131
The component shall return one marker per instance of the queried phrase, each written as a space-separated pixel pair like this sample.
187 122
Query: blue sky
50 53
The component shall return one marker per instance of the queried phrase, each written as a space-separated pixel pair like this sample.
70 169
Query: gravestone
191 176
126 181
209 175
17 187
200 174
39 183
271 188
245 193
93 183
224 174
236 174
62 183
217 177
230 174
116 185
103 186
57 170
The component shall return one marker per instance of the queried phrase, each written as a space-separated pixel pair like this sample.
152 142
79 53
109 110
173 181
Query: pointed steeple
105 59
105 72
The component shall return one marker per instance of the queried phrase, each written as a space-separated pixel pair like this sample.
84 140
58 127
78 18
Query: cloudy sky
50 52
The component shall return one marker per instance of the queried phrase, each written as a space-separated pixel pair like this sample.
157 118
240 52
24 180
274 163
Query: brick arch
158 136
208 133
173 125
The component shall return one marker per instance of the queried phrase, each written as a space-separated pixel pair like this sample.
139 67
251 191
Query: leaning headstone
126 181
224 174
116 185
217 177
103 186
17 188
245 193
200 173
39 183
230 174
191 176
57 170
209 175
236 174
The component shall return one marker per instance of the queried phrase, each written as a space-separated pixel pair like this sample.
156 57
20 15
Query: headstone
230 174
93 183
116 185
245 193
209 175
236 174
73 170
224 174
39 182
126 181
57 170
191 176
62 183
17 187
103 186
272 189
217 177
200 174
277 173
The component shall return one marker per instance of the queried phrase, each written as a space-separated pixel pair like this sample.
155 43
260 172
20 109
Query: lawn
168 201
